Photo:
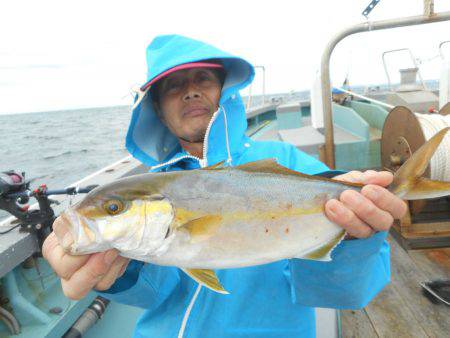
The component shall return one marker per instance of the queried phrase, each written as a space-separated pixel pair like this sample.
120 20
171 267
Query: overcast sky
73 54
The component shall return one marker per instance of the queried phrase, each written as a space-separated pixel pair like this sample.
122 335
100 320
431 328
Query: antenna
369 8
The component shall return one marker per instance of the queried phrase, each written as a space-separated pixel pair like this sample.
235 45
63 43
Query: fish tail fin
408 182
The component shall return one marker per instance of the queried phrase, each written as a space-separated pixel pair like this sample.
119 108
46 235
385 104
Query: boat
330 126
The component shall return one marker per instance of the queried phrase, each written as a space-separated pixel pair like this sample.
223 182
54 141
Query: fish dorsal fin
218 166
271 166
207 278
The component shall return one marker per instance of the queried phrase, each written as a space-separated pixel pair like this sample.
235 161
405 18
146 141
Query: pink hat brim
180 67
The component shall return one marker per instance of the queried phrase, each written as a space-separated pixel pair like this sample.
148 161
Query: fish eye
113 207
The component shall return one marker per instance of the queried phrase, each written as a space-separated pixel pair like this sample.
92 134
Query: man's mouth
195 111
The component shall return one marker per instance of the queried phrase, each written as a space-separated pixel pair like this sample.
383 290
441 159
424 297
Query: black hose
89 317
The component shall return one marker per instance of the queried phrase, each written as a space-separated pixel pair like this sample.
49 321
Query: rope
10 321
440 162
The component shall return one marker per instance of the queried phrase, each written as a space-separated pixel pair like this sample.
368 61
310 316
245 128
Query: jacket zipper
205 142
203 162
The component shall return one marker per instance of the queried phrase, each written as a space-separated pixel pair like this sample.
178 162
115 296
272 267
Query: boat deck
401 310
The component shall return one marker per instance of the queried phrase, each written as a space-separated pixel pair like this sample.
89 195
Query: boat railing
428 17
441 52
413 59
249 101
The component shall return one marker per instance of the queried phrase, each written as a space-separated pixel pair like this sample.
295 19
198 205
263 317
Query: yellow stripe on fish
201 226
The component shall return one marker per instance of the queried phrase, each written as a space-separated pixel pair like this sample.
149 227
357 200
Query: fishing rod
15 193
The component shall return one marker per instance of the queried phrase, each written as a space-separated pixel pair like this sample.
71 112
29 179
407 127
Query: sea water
61 147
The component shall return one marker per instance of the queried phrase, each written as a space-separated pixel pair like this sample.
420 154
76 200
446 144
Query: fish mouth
82 234
72 222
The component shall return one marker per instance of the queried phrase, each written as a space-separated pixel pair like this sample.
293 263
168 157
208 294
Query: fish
223 217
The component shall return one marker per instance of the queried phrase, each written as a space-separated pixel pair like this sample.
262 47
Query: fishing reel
15 194
11 181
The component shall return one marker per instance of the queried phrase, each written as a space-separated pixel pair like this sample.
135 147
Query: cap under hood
148 140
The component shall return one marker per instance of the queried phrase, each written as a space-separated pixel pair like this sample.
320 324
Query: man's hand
373 209
80 274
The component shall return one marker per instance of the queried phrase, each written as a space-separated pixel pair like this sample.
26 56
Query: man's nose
192 92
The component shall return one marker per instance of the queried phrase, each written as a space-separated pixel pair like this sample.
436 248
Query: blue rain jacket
272 300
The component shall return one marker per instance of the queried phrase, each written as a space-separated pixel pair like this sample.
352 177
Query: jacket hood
149 141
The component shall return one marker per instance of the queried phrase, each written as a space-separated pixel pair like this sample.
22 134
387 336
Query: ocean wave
66 153
42 137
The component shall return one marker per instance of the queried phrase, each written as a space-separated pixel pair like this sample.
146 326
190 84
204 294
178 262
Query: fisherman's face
187 100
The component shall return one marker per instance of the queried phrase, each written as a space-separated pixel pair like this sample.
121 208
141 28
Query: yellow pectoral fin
207 278
203 227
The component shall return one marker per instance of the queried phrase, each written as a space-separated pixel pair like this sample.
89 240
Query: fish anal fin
203 227
207 278
323 253
425 188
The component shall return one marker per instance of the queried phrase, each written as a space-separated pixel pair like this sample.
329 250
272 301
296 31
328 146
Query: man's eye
204 77
174 85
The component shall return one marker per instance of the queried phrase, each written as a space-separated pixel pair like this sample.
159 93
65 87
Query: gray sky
73 54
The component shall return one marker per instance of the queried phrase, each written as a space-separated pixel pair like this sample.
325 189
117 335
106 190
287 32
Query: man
192 116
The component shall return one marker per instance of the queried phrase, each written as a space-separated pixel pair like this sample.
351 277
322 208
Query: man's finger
64 264
84 279
124 268
118 266
367 211
338 213
385 200
352 177
382 178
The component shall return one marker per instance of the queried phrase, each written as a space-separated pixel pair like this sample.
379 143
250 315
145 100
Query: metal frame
441 53
413 60
362 27
249 101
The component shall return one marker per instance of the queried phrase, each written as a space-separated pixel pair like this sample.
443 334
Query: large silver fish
226 217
